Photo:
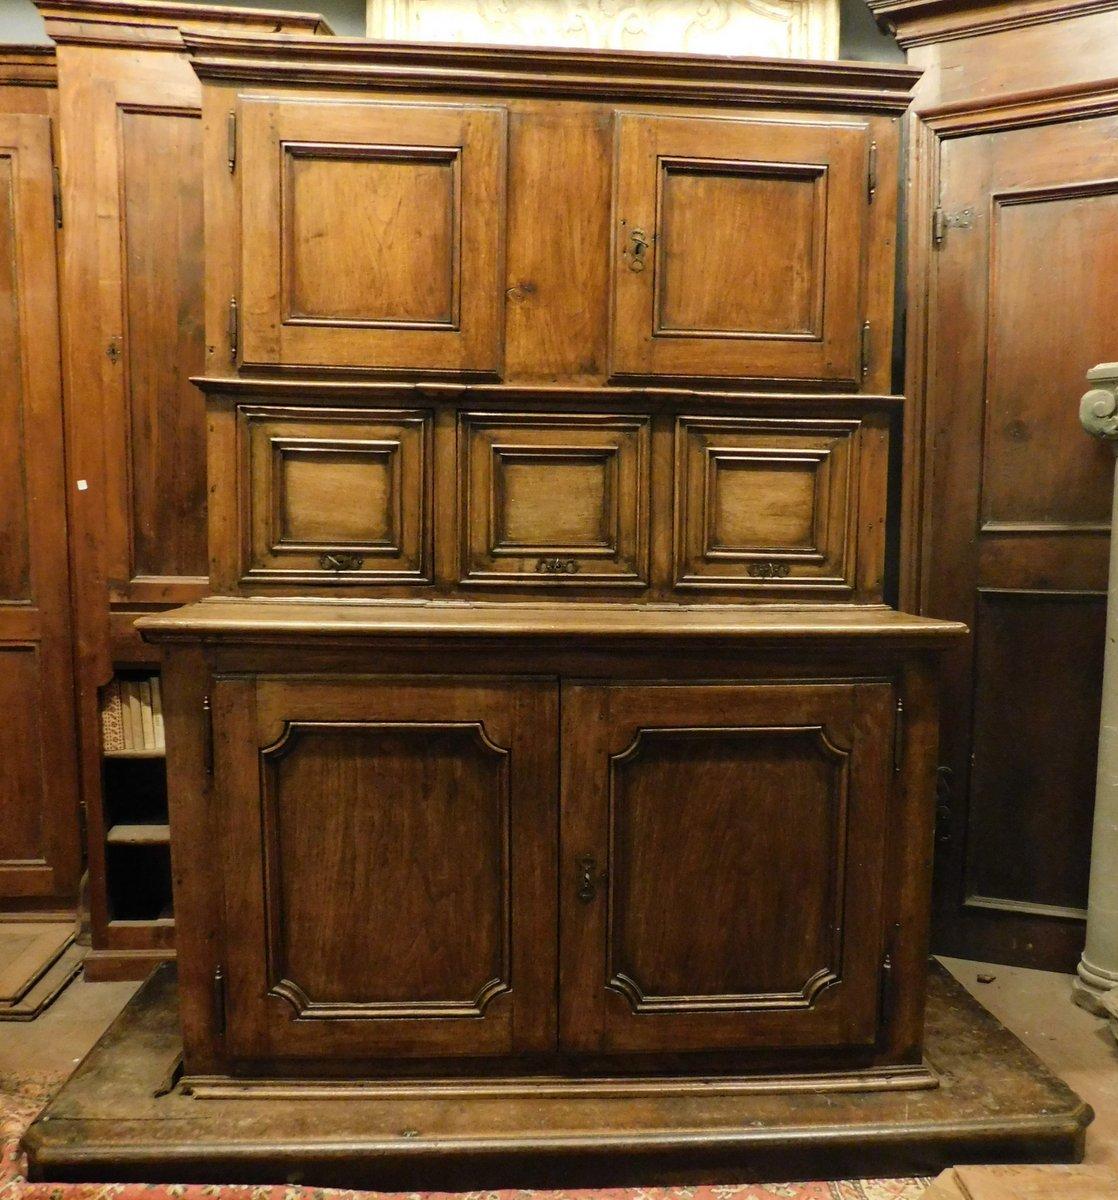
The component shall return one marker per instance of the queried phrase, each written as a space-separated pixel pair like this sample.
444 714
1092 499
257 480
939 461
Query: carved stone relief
769 28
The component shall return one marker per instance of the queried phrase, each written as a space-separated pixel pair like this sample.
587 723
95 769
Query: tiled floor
1036 1005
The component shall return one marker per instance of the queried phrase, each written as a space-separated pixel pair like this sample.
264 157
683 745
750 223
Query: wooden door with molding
1022 296
40 856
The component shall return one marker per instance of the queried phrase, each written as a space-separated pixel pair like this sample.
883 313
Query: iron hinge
939 226
219 1001
56 192
231 141
865 349
943 221
234 329
871 173
207 735
898 737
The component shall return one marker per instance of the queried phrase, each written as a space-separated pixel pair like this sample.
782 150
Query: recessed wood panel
764 504
736 899
1036 466
740 250
372 239
406 828
22 797
164 342
390 865
15 546
337 496
765 921
373 235
553 499
1036 746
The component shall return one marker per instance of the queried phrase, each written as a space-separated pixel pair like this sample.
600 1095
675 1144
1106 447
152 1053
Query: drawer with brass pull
555 500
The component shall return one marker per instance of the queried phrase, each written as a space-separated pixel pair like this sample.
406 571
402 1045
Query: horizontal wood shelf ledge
220 619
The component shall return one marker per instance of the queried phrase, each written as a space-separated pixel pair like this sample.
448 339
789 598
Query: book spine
144 690
112 724
157 712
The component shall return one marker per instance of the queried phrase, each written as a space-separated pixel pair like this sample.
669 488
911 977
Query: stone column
1098 968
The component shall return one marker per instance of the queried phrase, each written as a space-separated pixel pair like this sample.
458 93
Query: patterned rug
21 1099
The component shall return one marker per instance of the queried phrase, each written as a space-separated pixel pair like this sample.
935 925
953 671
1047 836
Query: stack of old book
132 715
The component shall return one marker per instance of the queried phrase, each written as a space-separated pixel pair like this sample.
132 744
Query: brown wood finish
723 853
738 248
787 503
427 805
322 285
1007 505
521 769
335 662
131 285
548 320
40 853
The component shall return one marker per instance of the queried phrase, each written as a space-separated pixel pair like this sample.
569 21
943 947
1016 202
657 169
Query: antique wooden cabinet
550 720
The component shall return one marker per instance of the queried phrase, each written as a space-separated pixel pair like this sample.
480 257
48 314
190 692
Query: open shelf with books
134 801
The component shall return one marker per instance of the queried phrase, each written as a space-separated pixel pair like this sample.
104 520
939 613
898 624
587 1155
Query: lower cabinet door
721 863
389 866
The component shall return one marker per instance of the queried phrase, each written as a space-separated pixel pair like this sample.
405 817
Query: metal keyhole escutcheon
587 884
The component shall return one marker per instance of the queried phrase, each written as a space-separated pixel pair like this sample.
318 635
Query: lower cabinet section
522 847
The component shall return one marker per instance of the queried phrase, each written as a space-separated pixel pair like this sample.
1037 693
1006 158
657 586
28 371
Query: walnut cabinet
549 719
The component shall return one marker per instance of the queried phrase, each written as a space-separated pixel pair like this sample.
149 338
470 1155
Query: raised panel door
722 865
1017 527
373 235
738 248
390 874
39 852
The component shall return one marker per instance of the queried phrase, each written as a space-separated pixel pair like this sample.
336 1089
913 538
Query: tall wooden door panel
134 283
373 235
39 852
721 865
738 248
404 902
1017 520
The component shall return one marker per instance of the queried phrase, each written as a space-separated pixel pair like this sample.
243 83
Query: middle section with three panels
784 501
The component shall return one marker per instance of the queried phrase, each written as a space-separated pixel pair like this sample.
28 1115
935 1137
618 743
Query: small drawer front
335 496
553 500
767 505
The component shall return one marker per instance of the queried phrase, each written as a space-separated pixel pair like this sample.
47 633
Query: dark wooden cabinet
548 723
40 855
322 284
739 247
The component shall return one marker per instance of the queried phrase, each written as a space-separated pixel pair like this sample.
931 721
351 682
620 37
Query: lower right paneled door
722 864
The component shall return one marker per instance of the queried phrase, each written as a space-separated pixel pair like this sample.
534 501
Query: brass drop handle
587 879
639 245
341 562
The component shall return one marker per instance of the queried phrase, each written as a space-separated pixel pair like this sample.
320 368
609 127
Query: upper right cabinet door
739 247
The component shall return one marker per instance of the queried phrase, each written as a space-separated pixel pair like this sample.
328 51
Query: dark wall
860 38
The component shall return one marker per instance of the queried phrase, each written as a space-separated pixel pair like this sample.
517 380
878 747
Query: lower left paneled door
389 873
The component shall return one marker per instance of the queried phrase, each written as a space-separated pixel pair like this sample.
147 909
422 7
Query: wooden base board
116 966
122 1117
38 959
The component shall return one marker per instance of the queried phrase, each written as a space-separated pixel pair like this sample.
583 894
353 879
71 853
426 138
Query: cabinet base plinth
117 1120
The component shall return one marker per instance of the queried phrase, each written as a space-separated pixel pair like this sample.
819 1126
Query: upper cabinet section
738 248
548 217
372 235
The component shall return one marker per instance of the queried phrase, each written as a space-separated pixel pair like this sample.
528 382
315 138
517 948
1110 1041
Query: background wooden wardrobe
1012 291
130 279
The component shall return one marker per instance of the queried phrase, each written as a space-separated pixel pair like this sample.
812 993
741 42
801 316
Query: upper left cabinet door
373 235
